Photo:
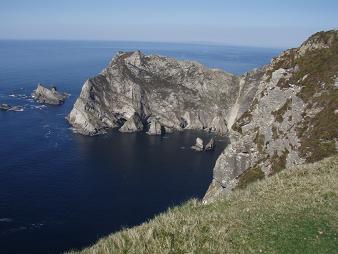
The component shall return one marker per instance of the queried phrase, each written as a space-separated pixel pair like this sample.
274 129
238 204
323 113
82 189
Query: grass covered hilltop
294 211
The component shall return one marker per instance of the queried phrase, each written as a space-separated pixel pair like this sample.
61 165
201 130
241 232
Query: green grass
294 211
249 176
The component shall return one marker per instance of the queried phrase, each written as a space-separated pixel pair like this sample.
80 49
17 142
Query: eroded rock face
48 96
133 124
290 119
155 127
178 94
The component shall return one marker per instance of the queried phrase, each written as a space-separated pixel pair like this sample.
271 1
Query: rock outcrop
211 145
198 145
291 117
48 96
7 107
132 124
168 95
154 127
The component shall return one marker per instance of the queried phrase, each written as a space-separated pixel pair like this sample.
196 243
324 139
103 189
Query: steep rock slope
291 119
137 92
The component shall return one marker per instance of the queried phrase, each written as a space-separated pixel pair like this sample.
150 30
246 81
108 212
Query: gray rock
211 145
267 136
48 96
154 127
6 107
179 94
198 145
133 124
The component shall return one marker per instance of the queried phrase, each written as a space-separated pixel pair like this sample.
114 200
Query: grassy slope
294 211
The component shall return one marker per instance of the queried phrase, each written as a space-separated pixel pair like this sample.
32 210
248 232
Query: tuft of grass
243 120
250 175
279 114
278 163
294 211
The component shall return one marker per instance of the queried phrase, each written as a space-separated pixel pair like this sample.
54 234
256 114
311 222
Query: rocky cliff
291 118
154 93
280 115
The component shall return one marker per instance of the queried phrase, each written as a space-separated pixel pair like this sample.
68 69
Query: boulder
198 145
48 96
6 107
211 145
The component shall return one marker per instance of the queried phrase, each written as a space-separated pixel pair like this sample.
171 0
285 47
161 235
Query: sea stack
211 145
48 96
198 145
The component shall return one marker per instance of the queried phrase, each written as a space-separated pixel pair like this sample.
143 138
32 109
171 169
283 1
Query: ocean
62 191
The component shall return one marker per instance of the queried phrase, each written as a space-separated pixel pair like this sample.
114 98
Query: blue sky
242 22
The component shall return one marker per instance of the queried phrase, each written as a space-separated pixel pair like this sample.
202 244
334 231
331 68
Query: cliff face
278 116
291 119
137 92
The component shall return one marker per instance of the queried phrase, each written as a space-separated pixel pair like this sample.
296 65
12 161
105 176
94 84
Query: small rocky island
7 107
156 94
48 96
199 147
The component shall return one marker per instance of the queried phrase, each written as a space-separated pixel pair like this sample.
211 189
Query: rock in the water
6 107
211 145
198 145
154 127
133 124
48 96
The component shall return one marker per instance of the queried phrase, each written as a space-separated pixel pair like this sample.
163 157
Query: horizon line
201 43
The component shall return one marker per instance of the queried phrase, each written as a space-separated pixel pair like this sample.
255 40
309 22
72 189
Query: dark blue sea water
61 191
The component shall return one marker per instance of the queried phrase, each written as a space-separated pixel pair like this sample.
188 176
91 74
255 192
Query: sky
260 23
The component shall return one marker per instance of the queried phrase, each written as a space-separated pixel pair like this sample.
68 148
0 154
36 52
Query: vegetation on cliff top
316 71
320 69
294 211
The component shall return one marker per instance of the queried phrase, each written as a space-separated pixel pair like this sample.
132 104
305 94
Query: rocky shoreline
276 116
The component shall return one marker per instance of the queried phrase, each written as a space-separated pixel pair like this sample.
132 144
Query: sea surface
60 190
